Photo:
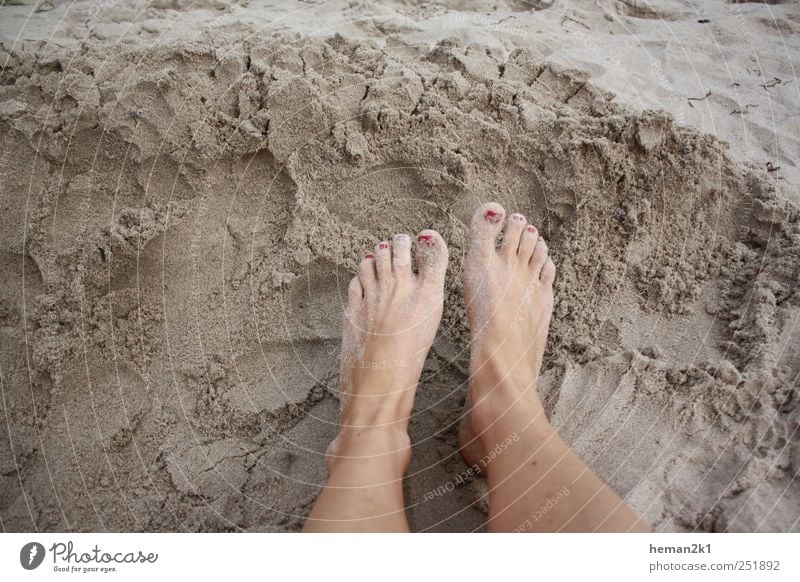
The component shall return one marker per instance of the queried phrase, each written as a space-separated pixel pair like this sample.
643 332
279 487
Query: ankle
511 440
375 400
498 395
519 421
386 446
495 369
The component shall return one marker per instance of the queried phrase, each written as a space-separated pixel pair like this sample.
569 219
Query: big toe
487 222
431 257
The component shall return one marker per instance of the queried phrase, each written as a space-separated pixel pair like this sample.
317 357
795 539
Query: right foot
509 295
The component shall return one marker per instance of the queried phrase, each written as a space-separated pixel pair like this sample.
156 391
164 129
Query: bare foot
389 325
509 294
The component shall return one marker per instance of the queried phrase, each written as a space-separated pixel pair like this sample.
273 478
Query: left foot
389 325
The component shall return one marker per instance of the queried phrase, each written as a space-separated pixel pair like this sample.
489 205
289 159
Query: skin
389 326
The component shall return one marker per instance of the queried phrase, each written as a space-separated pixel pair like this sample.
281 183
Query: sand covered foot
389 325
509 293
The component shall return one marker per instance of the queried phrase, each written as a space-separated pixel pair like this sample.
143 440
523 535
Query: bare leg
389 325
537 483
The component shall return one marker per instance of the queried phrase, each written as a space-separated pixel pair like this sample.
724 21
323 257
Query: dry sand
187 186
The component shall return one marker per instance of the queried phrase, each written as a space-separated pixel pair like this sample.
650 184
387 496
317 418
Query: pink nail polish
427 239
492 216
383 246
531 229
369 256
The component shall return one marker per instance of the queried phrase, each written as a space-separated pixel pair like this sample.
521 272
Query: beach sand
187 188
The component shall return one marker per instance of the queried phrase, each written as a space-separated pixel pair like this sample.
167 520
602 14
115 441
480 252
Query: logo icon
31 555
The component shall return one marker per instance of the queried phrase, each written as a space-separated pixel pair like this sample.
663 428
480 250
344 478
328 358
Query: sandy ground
187 186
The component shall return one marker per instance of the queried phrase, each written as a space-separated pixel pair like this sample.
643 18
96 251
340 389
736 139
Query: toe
366 273
511 239
548 274
355 302
355 293
383 260
401 254
431 257
486 225
539 257
527 243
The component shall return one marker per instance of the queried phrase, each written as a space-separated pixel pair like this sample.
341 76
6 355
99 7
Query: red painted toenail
531 229
493 216
427 239
369 256
383 246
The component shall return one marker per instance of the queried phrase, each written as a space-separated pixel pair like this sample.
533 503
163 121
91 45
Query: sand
187 188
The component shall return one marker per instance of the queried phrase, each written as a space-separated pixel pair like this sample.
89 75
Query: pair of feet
393 314
390 323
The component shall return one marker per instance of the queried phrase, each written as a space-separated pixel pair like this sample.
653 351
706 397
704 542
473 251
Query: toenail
383 246
427 239
369 256
518 217
531 229
493 216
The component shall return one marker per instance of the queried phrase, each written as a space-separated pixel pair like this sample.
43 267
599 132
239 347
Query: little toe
485 228
548 274
401 254
511 239
355 293
527 243
431 257
355 303
539 257
383 260
366 273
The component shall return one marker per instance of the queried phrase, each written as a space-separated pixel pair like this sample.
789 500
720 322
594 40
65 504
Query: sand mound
180 224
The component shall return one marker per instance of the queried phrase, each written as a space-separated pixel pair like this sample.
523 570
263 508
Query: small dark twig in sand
690 99
769 84
700 98
772 167
575 20
745 109
735 84
40 41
